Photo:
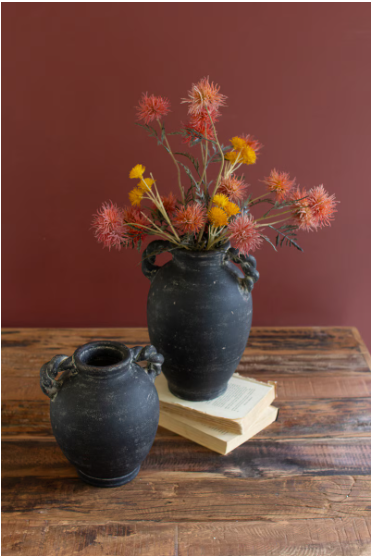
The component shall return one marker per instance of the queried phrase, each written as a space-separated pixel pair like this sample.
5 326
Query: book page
241 397
267 416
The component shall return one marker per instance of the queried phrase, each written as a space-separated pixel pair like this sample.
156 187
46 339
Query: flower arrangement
209 213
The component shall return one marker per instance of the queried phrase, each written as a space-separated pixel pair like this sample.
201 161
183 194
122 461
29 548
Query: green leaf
194 161
288 240
150 130
197 135
194 183
268 240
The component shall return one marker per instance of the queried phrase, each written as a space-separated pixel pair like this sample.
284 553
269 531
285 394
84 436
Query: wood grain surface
301 487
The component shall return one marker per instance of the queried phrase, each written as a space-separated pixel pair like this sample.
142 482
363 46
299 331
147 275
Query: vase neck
102 359
199 259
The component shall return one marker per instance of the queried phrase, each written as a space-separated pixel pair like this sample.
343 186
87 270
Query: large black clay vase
199 314
104 408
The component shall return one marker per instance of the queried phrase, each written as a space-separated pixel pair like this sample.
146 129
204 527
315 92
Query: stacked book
224 423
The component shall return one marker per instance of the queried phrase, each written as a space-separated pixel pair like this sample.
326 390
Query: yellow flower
218 217
231 209
220 199
231 156
248 155
137 171
238 143
145 184
135 196
243 152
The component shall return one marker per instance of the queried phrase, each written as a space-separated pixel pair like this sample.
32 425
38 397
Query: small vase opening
103 357
100 357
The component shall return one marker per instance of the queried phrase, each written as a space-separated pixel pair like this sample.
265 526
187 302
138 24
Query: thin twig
175 162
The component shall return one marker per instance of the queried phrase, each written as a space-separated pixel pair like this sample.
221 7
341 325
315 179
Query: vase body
104 410
199 314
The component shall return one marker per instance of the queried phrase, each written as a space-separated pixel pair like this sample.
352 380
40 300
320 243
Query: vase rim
102 358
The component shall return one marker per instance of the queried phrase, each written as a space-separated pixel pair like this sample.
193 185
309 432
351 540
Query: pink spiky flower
234 188
169 203
152 108
244 234
303 215
109 227
135 234
201 124
190 219
204 95
279 183
323 206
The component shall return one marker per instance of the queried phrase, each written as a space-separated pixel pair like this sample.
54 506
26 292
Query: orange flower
322 205
244 234
234 188
204 95
303 214
190 219
135 234
169 203
279 183
152 108
109 227
201 124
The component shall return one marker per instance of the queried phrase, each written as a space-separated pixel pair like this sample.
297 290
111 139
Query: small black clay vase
104 408
199 314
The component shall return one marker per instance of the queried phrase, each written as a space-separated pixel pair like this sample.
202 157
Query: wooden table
300 487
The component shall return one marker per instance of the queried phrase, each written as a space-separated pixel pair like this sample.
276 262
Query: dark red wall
297 76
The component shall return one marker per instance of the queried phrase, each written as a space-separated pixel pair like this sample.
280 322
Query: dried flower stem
232 167
163 211
271 223
219 237
158 230
175 162
219 174
205 163
156 199
271 216
259 197
222 159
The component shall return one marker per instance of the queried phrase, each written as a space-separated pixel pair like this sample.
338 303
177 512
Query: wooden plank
45 537
291 386
300 362
329 339
173 453
195 497
339 536
362 347
329 536
333 417
290 356
17 366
